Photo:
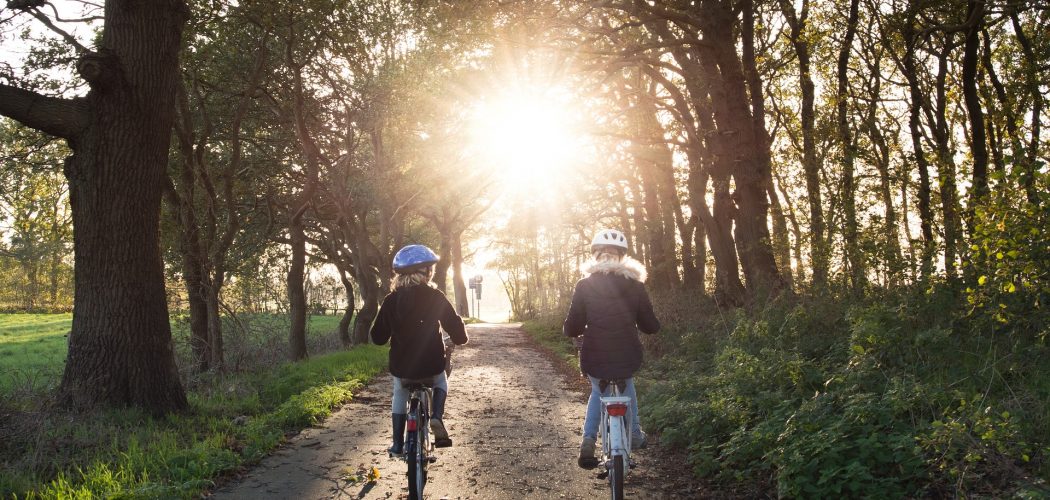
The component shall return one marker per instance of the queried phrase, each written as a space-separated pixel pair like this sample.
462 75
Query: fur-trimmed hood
628 268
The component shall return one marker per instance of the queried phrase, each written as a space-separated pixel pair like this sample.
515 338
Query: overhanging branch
59 117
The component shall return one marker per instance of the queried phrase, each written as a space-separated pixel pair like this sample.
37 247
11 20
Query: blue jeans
594 408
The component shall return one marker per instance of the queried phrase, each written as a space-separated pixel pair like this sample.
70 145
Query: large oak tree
120 350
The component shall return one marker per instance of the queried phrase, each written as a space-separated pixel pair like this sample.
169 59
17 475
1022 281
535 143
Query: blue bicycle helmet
414 256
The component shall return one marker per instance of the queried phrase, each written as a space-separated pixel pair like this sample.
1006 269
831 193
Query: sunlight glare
527 140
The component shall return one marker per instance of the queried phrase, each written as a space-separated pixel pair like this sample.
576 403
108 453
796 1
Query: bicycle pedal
603 474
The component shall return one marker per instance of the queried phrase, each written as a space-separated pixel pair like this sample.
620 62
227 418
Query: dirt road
514 420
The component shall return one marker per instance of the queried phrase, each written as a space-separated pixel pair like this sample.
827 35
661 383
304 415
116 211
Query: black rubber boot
437 426
398 420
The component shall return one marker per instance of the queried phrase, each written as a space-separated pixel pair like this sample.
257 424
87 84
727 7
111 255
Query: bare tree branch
61 32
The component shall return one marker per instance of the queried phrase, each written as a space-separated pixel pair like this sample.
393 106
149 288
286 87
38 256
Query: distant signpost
475 284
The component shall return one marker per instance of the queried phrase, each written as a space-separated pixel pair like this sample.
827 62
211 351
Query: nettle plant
973 444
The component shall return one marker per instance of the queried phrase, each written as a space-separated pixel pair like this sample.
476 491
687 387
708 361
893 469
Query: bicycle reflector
616 409
411 425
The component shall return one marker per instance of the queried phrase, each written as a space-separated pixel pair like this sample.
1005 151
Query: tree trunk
781 245
296 290
215 348
368 282
641 251
781 242
199 345
348 313
442 266
857 268
460 287
1031 65
810 164
946 171
662 268
718 224
120 350
736 127
979 146
908 67
57 252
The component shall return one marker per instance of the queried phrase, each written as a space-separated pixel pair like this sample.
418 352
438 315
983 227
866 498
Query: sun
527 139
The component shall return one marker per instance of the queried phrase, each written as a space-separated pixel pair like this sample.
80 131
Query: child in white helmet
609 307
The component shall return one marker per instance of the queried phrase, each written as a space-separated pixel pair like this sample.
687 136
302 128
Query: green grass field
33 347
234 420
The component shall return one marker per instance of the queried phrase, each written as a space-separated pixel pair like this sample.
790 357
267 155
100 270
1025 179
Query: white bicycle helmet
609 237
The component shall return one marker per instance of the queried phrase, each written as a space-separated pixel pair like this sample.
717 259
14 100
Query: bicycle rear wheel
616 472
417 456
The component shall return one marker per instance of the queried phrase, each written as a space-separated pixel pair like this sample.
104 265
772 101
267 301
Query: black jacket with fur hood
409 318
608 308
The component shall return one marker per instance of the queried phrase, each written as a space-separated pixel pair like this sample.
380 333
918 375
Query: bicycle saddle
621 384
412 385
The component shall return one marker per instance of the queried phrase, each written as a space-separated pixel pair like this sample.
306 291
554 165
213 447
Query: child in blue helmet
411 318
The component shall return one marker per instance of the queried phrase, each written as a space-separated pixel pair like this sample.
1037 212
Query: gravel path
514 420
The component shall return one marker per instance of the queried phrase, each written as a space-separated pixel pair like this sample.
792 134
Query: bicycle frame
618 440
615 433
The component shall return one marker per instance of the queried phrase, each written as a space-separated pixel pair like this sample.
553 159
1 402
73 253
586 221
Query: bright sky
528 137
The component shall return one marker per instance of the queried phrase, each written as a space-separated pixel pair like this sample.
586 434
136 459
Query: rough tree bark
810 165
979 142
736 128
946 170
120 350
296 233
909 68
729 290
857 269
348 312
460 286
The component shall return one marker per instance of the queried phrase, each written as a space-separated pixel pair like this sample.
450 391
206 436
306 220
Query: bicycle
615 435
418 443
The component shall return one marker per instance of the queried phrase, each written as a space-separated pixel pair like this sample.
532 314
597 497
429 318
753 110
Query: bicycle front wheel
616 472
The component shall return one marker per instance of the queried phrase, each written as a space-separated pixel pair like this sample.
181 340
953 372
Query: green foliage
36 243
973 445
124 453
1011 262
893 397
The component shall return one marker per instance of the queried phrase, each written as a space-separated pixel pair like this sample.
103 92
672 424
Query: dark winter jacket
409 318
608 308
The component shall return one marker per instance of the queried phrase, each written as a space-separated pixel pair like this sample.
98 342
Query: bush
846 398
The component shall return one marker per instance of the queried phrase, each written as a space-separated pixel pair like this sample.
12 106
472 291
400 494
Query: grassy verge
234 421
548 334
